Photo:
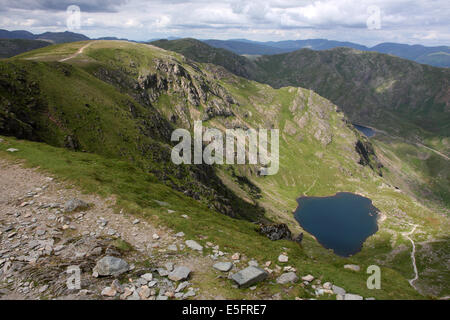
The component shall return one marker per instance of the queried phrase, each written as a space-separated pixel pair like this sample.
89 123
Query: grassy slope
372 88
403 98
136 192
306 166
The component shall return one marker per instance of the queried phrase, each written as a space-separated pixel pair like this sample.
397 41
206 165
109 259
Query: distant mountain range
53 37
13 47
435 56
380 90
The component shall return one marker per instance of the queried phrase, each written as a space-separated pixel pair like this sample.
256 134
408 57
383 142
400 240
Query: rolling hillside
121 100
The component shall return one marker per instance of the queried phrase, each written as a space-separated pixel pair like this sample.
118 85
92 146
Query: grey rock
223 266
180 273
289 277
75 204
147 277
172 247
108 266
163 272
350 296
194 245
249 276
338 290
117 286
308 278
182 286
190 293
169 266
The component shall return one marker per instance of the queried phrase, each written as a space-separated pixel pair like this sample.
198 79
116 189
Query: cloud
61 5
400 20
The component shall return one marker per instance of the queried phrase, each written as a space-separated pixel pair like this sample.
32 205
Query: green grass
127 156
136 191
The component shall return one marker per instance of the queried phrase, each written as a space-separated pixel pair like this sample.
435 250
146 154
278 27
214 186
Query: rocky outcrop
367 155
276 231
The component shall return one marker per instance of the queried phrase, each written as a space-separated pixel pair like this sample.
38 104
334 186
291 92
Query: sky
367 22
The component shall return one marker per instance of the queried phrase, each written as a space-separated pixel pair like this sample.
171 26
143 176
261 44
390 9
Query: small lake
341 222
368 132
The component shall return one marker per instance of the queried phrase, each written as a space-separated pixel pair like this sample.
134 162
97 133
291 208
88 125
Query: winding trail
310 187
435 151
413 256
76 54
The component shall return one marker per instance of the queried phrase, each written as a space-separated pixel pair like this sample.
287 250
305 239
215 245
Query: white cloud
401 20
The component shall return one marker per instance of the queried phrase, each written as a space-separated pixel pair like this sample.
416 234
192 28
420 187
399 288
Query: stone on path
283 258
75 204
147 277
182 286
249 276
109 292
194 245
144 292
223 266
180 273
108 266
289 277
236 256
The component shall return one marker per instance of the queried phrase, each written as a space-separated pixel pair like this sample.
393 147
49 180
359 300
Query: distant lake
341 222
368 132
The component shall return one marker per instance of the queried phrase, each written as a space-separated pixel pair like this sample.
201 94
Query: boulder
180 273
276 231
249 276
223 266
111 266
289 277
194 245
74 205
